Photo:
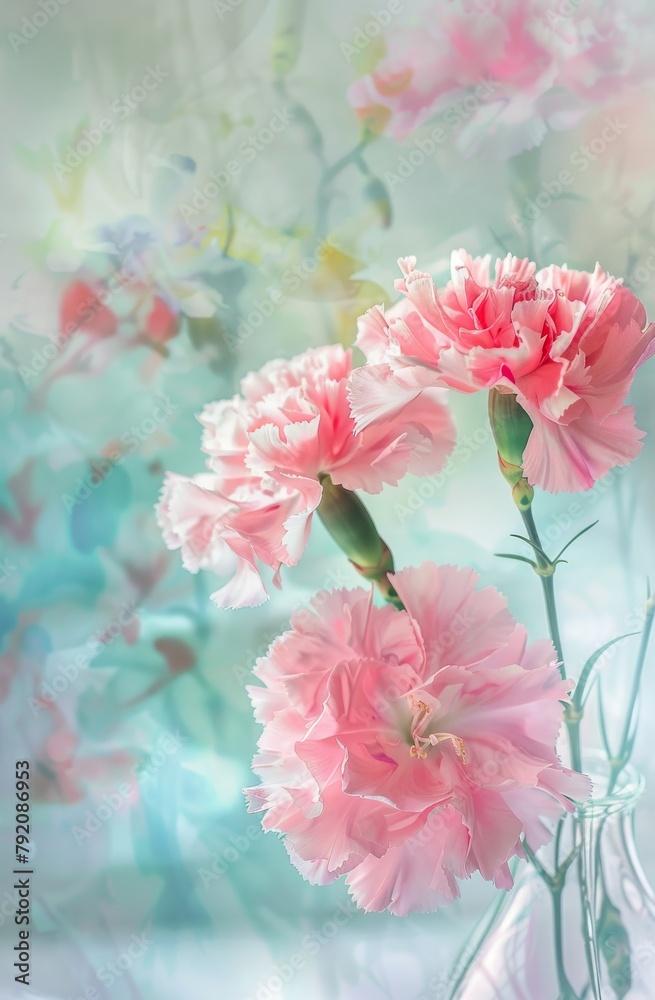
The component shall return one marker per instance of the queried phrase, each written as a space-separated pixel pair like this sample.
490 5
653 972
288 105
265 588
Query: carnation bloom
504 72
267 449
566 343
408 749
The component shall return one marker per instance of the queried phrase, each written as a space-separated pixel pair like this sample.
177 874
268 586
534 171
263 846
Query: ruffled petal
573 457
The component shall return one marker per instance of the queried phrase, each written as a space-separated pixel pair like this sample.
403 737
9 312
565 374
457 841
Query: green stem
354 156
586 867
558 841
306 120
627 738
547 586
566 990
555 884
573 729
545 572
477 940
349 158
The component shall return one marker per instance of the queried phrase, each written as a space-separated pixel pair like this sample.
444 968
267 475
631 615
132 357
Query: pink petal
377 393
573 457
458 624
412 877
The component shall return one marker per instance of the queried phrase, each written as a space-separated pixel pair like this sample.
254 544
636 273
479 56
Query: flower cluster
565 343
267 451
518 70
407 749
411 745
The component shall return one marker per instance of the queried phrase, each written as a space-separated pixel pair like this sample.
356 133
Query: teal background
138 763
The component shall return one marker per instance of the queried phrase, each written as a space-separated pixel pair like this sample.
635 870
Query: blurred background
190 189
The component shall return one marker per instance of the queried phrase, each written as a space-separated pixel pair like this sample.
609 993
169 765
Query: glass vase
580 921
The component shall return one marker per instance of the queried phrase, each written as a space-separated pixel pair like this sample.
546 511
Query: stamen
419 722
421 712
457 742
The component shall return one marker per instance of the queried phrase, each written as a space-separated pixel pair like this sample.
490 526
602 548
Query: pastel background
168 192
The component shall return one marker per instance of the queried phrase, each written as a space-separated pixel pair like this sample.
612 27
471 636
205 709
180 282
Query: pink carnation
267 448
566 343
407 749
504 72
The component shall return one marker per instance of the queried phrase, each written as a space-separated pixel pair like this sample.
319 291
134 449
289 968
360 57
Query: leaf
575 538
602 722
537 548
615 947
580 694
509 555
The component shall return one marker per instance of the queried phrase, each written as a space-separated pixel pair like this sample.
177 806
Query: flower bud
511 427
352 528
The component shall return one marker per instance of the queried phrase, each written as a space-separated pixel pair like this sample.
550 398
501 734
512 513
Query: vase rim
629 786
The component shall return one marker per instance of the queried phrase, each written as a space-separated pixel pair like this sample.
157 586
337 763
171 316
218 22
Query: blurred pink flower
410 748
162 322
504 72
567 343
267 449
81 307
